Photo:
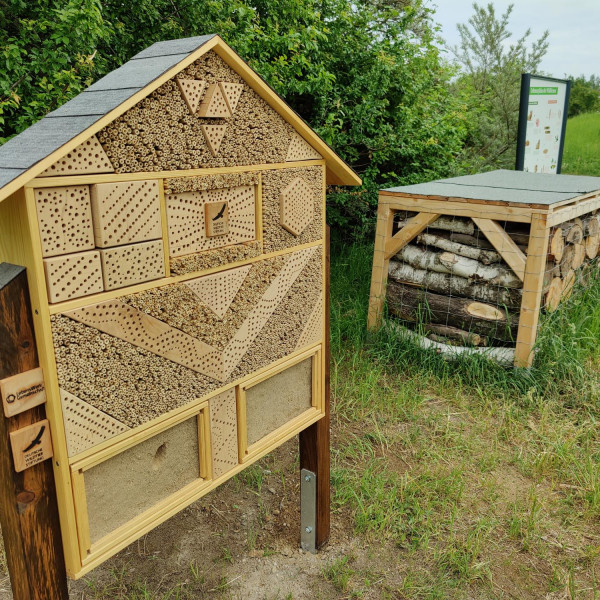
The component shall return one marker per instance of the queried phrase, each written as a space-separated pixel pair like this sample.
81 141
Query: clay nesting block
299 149
214 134
131 264
192 91
232 93
296 206
73 276
88 157
214 104
65 219
125 212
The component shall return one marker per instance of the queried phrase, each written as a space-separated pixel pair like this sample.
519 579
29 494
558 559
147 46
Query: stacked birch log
456 286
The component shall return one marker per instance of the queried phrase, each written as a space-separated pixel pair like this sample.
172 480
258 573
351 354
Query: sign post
542 122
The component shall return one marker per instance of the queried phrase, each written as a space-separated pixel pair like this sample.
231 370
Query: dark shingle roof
61 125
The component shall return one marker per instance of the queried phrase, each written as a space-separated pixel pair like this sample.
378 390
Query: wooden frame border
291 428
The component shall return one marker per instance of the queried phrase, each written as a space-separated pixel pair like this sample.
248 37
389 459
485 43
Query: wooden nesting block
313 330
296 206
214 104
300 149
88 157
232 93
73 276
192 91
214 134
131 264
125 212
65 219
223 432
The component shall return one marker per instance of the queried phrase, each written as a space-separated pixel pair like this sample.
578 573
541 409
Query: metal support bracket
308 511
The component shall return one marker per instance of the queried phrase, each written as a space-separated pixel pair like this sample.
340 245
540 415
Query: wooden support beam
533 284
28 508
314 441
411 230
503 243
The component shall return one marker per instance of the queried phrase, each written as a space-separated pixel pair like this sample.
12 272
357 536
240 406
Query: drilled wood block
65 219
31 445
88 157
73 276
136 327
192 91
135 263
218 291
214 104
125 212
296 205
300 149
187 224
232 93
313 330
214 134
85 425
223 432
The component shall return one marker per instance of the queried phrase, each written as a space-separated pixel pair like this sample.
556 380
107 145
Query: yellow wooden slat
410 231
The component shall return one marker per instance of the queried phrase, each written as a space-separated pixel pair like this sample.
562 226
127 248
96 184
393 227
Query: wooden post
28 509
314 441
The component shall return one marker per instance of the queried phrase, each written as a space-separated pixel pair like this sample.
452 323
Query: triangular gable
117 101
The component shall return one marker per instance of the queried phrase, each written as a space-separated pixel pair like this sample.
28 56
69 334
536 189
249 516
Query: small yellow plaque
216 216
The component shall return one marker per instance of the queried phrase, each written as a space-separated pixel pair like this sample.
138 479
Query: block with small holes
88 157
64 219
214 104
125 212
135 263
296 206
73 276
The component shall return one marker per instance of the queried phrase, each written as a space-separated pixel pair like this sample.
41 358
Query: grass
582 145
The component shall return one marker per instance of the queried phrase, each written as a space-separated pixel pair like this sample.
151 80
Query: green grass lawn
582 145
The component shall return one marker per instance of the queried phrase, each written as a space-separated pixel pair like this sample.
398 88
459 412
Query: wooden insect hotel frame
468 263
171 220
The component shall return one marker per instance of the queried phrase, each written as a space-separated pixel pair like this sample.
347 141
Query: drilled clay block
135 263
65 219
73 276
299 149
88 157
214 104
223 432
232 93
297 206
125 212
192 91
186 219
85 425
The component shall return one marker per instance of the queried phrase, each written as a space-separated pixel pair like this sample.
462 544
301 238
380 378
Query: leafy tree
585 95
365 74
490 78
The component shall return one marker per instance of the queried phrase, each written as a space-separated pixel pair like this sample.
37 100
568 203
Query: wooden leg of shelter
28 509
533 284
315 440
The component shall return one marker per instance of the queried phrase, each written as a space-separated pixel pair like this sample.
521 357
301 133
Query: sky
574 29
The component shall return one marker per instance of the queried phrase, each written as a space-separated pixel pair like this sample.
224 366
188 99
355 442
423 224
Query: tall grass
582 145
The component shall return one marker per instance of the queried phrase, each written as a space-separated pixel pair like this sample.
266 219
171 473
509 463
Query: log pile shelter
171 219
468 263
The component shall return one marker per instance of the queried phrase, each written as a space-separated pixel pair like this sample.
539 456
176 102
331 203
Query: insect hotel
466 264
171 219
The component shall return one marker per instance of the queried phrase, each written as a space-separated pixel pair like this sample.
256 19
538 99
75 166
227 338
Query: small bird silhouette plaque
31 445
217 218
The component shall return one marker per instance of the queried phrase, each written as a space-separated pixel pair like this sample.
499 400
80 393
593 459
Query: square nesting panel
187 212
132 264
73 275
64 219
125 212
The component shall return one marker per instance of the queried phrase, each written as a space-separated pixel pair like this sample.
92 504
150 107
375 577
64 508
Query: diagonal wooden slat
412 229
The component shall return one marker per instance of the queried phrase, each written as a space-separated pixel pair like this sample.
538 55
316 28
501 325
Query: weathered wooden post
28 509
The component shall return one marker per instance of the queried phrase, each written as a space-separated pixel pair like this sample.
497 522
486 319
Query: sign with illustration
542 121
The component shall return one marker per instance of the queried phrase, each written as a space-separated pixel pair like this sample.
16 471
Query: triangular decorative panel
88 157
218 291
214 104
299 149
232 93
214 136
192 91
313 330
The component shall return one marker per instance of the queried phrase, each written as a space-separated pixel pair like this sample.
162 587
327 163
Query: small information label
216 216
31 445
22 392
